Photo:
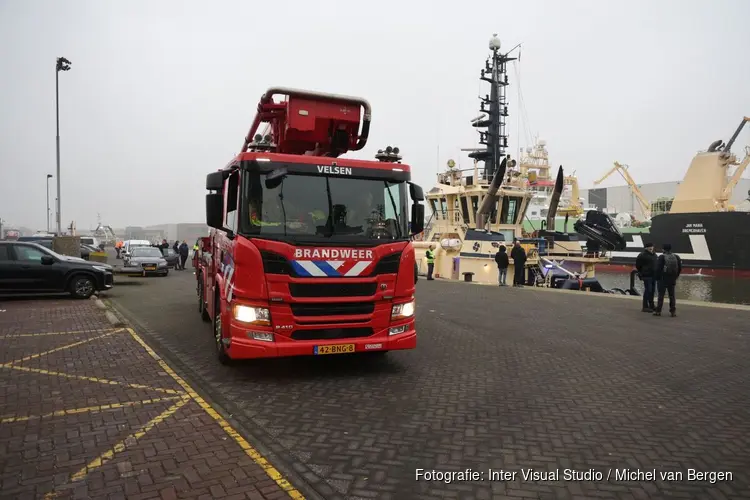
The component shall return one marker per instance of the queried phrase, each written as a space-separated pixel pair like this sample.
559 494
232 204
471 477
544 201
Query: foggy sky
162 93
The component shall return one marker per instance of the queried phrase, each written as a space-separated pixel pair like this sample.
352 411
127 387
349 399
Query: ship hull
713 243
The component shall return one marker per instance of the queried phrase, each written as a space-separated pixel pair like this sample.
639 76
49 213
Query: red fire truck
310 254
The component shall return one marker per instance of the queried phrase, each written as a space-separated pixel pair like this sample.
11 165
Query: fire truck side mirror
215 181
416 192
417 218
215 210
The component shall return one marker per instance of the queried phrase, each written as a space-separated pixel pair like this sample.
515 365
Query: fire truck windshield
313 206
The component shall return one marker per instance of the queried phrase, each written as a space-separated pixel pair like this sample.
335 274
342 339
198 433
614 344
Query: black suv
29 268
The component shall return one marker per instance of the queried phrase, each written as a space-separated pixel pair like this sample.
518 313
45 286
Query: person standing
184 251
430 256
518 254
645 264
501 258
668 269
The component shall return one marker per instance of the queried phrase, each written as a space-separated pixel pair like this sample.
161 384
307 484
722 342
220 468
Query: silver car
145 261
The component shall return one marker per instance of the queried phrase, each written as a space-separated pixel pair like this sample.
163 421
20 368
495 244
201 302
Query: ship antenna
495 137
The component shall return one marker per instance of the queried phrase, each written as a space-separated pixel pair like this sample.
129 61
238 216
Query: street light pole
49 176
62 65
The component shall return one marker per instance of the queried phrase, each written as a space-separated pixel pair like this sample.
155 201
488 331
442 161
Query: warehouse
621 199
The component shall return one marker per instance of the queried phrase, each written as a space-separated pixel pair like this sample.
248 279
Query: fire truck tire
202 302
221 351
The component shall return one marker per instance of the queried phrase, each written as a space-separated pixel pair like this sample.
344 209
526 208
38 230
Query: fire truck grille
333 309
276 264
332 289
332 333
388 264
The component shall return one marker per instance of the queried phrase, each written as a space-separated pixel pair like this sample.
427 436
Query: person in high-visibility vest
430 256
255 221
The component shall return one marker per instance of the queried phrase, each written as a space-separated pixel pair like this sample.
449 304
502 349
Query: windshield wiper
395 210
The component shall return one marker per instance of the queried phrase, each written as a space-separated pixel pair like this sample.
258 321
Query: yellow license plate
334 349
150 268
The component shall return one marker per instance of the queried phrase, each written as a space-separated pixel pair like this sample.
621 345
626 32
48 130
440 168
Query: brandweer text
332 253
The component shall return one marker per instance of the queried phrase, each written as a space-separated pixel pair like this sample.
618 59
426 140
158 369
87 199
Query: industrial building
621 198
171 232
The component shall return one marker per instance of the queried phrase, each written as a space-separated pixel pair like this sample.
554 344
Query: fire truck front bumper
248 342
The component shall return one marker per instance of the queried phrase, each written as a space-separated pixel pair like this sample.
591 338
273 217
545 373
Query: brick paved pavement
87 412
514 378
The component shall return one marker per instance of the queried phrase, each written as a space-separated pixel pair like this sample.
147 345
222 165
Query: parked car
87 250
170 256
145 260
30 268
45 241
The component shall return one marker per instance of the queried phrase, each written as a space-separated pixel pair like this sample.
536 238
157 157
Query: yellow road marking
269 469
88 409
121 446
42 334
56 349
90 379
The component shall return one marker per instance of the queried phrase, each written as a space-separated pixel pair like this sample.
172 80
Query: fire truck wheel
202 303
82 286
221 351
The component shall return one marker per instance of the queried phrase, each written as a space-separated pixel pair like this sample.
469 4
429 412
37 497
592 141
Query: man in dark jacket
501 258
518 254
184 251
645 264
668 269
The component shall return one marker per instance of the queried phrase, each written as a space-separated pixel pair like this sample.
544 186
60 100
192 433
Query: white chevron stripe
311 268
228 280
697 242
335 263
358 268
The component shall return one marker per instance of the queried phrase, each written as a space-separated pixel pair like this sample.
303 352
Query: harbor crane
623 171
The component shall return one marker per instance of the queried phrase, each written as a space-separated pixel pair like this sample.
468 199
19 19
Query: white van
127 245
90 240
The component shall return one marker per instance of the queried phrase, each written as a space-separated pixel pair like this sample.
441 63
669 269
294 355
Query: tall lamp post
49 176
62 65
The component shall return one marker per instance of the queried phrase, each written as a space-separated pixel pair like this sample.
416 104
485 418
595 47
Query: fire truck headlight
252 315
403 311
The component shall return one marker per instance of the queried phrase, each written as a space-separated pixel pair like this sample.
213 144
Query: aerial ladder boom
623 170
309 122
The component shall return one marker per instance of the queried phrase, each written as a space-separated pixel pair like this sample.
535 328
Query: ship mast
495 137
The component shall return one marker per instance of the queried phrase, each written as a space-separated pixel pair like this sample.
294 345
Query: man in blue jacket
668 269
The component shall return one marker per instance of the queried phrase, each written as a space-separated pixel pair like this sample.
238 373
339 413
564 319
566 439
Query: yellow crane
623 170
726 194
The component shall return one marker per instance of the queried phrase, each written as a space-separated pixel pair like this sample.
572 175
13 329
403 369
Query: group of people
518 254
659 276
181 249
658 273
